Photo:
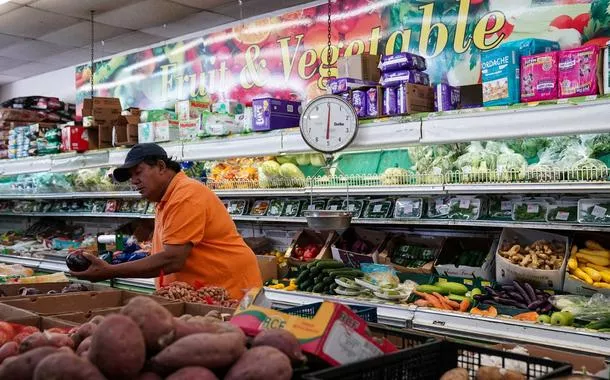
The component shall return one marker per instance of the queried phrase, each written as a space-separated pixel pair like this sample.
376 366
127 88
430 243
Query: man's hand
99 270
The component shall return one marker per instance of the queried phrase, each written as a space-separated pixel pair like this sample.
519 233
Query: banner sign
287 56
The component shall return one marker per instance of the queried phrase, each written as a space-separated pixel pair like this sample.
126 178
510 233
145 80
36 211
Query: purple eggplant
508 288
530 291
536 304
522 291
546 308
516 296
491 291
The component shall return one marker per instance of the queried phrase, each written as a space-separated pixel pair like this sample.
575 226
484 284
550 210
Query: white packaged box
486 271
146 133
166 130
581 288
506 271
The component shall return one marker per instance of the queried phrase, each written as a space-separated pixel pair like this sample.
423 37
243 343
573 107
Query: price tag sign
599 211
563 216
351 207
533 208
288 209
311 208
409 208
333 208
506 205
464 203
377 208
467 281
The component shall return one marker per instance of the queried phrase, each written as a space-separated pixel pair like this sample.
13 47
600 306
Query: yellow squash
602 285
572 263
598 260
595 275
583 276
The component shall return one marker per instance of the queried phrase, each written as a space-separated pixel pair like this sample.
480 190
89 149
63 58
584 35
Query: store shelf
529 188
548 120
82 215
73 195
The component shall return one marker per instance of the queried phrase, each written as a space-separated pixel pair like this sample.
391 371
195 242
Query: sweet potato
192 373
456 374
118 348
66 366
35 340
97 319
60 340
7 350
149 376
201 350
22 367
259 363
82 332
84 346
155 321
281 339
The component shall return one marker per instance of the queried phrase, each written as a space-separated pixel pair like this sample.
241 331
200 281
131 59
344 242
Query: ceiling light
3 2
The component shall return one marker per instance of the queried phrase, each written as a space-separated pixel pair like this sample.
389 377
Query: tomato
599 41
562 22
580 22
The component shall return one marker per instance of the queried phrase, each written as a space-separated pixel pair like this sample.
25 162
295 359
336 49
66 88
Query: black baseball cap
137 154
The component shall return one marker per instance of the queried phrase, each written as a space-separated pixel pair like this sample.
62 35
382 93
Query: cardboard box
432 242
455 246
363 67
105 111
13 314
375 239
12 290
416 98
166 130
190 109
105 136
335 334
268 266
574 285
77 302
506 271
75 138
126 130
471 96
305 237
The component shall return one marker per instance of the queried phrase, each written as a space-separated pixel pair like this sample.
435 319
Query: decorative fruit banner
287 56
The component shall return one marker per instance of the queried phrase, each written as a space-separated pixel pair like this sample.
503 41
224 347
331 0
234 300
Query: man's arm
171 260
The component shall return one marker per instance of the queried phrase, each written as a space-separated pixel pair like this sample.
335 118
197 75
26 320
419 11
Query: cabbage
599 144
263 181
303 159
292 175
270 168
395 176
317 160
476 164
286 159
510 166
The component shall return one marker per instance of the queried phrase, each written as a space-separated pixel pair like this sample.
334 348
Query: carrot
433 301
464 305
454 305
530 316
443 301
422 302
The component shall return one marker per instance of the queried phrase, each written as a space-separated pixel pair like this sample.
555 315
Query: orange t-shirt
190 212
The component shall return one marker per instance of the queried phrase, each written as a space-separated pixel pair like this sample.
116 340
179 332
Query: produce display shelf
81 215
465 325
72 195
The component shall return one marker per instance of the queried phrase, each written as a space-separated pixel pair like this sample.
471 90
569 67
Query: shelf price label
599 211
533 208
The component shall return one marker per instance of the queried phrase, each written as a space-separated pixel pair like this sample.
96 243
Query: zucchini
319 288
309 289
329 264
328 280
347 273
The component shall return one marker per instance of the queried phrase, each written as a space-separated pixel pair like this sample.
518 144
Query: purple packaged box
390 101
372 95
270 113
346 96
359 102
446 98
339 85
402 61
411 76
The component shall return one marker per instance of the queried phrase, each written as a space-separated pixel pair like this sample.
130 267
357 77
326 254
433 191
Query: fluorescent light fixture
3 2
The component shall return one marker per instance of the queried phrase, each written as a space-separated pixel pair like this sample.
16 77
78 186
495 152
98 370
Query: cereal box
539 77
578 71
500 69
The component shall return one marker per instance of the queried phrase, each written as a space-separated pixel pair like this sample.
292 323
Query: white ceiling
38 36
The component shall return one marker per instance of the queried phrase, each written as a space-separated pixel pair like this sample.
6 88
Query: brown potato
201 350
283 340
261 363
7 350
508 374
66 366
84 346
192 373
489 373
117 347
22 367
155 321
456 374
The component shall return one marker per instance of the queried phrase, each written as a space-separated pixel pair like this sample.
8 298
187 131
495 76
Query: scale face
329 124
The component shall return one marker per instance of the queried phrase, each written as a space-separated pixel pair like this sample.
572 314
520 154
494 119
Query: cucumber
318 288
428 289
328 270
329 264
309 289
303 276
328 280
306 284
320 278
315 270
332 288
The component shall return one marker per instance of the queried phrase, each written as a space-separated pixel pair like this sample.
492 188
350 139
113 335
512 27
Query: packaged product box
369 243
606 70
104 111
506 271
402 61
305 237
189 109
414 98
231 107
220 124
454 259
146 133
420 248
189 129
580 71
75 138
166 130
446 97
539 77
363 67
148 116
500 69
335 334
270 113
339 85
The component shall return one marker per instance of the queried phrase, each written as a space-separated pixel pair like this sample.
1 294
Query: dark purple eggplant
536 304
522 291
508 288
530 291
77 262
491 291
516 296
546 308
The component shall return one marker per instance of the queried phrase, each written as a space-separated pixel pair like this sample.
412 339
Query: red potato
201 350
35 340
22 367
118 348
283 340
66 366
7 350
149 376
155 321
97 319
84 346
192 373
259 363
60 340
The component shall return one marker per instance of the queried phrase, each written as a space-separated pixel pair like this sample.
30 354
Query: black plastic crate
368 313
432 360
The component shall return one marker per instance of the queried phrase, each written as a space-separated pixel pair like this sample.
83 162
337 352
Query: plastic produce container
355 206
408 208
237 207
565 211
595 211
530 211
501 207
315 205
466 208
292 208
378 209
276 207
438 208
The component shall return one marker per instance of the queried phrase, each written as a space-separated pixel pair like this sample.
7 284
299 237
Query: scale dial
329 124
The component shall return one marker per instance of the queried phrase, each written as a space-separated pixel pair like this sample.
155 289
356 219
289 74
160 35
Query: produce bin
367 313
374 240
432 360
389 254
454 261
305 237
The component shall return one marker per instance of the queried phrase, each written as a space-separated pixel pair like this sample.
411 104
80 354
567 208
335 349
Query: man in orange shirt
195 239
